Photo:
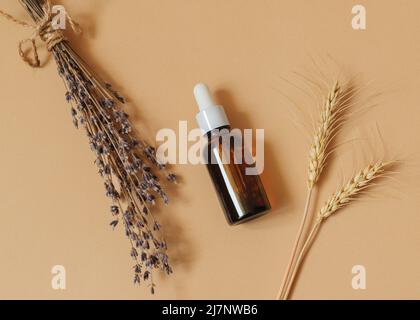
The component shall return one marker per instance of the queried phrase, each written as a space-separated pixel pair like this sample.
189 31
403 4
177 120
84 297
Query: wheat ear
318 154
338 200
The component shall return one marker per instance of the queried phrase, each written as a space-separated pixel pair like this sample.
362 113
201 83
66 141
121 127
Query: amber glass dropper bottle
242 196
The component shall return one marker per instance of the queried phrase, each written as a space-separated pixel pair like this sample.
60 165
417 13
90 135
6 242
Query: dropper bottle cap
211 115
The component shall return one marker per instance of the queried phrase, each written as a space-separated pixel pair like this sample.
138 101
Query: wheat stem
296 245
301 256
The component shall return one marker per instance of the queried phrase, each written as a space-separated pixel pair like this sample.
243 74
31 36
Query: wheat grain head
330 114
352 188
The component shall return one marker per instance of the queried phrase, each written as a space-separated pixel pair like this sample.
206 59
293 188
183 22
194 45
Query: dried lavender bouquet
124 161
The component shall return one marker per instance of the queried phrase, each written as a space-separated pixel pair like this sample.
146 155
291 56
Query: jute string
43 29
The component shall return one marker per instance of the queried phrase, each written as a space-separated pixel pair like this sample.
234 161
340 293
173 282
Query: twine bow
43 29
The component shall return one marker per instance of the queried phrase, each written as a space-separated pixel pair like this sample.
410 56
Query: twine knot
43 29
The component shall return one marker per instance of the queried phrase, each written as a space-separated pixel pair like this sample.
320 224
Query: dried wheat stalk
331 114
338 200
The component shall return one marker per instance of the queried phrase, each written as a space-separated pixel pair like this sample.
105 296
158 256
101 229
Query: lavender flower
123 160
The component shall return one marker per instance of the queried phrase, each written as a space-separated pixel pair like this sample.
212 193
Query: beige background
52 203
